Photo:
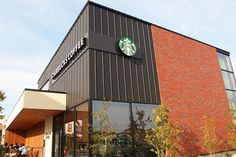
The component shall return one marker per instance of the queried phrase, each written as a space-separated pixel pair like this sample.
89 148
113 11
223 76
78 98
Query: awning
34 106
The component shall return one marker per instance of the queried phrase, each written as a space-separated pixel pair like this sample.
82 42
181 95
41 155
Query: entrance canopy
35 106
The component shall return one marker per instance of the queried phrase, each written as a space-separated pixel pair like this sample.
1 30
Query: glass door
57 136
82 131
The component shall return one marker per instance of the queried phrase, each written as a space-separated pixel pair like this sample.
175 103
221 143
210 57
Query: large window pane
142 121
112 129
69 133
225 62
229 80
232 99
82 130
57 136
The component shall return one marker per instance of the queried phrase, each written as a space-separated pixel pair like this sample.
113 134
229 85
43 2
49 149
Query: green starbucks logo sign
127 46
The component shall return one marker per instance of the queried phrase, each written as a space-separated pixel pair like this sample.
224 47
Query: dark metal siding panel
92 74
86 87
117 77
104 21
147 63
75 80
114 77
98 20
107 79
99 75
111 26
127 80
156 92
138 73
91 17
121 76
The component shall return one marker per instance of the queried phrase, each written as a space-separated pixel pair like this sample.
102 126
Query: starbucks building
97 93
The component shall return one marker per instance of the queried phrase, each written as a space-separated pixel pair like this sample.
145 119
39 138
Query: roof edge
141 20
223 51
48 91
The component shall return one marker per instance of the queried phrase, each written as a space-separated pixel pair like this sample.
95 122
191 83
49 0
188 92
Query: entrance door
57 136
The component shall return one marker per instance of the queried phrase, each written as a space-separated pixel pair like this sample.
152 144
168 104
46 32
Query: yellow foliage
162 137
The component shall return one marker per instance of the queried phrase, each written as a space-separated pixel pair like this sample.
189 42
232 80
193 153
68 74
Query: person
12 150
23 150
11 146
16 146
5 149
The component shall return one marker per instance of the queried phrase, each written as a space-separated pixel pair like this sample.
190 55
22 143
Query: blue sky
31 31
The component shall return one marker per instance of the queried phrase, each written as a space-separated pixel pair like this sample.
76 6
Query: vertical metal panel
107 85
91 17
114 80
104 21
92 75
155 93
103 75
97 20
74 80
99 75
111 23
117 77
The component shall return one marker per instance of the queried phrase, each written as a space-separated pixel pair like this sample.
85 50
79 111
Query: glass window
229 80
69 133
82 130
111 129
232 99
225 62
142 121
57 136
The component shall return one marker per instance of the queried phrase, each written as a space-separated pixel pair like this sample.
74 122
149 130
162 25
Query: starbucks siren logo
127 46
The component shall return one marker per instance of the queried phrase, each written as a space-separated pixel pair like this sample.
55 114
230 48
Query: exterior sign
69 128
47 135
127 46
69 57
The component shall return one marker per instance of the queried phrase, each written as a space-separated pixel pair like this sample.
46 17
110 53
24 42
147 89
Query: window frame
131 105
90 120
227 71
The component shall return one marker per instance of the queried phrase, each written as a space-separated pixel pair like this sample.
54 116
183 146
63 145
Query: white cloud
16 75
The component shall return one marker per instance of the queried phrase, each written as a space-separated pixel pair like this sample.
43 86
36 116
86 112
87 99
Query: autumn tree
163 136
141 124
103 135
2 97
232 139
209 137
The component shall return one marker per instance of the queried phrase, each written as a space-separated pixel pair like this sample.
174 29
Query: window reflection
229 80
225 62
111 129
112 132
232 99
69 133
82 130
142 122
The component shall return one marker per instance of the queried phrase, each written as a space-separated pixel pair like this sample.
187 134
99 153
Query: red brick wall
191 86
